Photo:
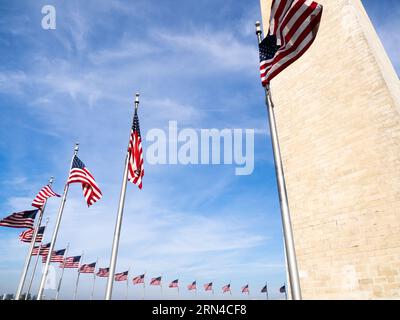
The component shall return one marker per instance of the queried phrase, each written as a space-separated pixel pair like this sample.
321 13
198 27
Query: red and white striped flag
135 166
226 288
138 279
192 286
174 284
27 235
71 262
45 193
103 272
24 219
245 289
80 174
122 276
155 281
208 286
88 268
293 28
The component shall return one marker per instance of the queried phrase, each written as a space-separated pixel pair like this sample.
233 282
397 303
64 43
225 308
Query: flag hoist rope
118 224
32 244
57 227
290 253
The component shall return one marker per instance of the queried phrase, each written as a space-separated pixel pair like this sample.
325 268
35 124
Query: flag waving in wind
138 279
80 174
24 219
135 166
27 235
45 193
293 27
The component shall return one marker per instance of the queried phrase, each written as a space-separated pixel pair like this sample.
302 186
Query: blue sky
193 62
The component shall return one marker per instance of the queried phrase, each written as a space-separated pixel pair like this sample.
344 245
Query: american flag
88 268
35 251
293 27
58 256
282 289
71 262
23 219
44 249
226 288
135 166
174 284
155 281
45 193
245 289
103 272
208 286
138 279
27 235
122 276
80 174
192 286
264 289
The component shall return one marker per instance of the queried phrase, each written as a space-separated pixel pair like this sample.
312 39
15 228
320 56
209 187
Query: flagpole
79 274
286 223
29 255
284 285
118 224
94 279
144 286
266 290
127 284
36 262
62 272
57 227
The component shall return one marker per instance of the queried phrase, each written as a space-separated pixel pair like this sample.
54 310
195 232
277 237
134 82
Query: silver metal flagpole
62 272
266 290
286 223
94 279
57 227
35 266
118 224
29 255
79 274
127 285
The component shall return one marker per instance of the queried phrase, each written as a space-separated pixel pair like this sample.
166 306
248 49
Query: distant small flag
58 256
245 289
71 262
138 279
80 174
155 281
23 219
44 249
87 268
292 29
192 286
226 288
282 289
174 284
264 289
122 276
103 272
27 235
208 286
35 251
135 166
45 193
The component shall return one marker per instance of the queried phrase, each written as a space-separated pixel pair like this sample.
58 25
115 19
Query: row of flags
92 193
